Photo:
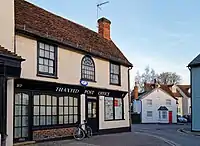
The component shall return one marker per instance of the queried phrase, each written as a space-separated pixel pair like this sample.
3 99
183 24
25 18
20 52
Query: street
169 133
141 135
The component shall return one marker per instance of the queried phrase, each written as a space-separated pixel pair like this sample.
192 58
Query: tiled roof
185 89
195 61
9 54
33 20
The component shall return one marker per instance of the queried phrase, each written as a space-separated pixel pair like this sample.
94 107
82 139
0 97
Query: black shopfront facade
48 110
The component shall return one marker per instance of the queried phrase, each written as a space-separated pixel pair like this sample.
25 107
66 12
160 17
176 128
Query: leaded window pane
88 70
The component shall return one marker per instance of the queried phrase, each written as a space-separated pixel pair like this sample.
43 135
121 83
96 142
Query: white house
158 105
194 67
182 93
69 74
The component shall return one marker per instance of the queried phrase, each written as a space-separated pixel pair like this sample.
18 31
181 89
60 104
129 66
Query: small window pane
75 110
51 48
66 110
41 61
41 45
60 100
17 132
75 118
18 121
54 119
51 70
48 118
24 121
60 110
51 55
41 68
17 98
54 110
75 102
42 120
48 100
66 120
36 99
46 62
42 100
17 110
46 47
54 100
24 131
42 110
66 100
48 111
70 110
45 68
71 101
36 120
24 99
46 54
24 110
36 110
71 119
41 53
60 119
50 63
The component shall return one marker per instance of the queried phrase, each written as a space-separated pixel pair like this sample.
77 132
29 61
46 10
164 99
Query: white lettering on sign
90 92
67 90
103 93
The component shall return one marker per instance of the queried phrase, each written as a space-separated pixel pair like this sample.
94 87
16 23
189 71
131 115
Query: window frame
57 125
148 102
119 75
151 114
55 62
168 101
86 79
113 108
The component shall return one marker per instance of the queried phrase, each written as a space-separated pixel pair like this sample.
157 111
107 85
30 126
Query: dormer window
87 68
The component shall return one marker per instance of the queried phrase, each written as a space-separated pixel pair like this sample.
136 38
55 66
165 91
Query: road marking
159 137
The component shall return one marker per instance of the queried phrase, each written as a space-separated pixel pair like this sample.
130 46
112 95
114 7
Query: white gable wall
158 98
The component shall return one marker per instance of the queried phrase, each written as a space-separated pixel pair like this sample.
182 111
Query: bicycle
80 133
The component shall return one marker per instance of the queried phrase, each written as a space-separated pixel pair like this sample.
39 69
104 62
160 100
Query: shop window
87 69
114 74
113 108
47 59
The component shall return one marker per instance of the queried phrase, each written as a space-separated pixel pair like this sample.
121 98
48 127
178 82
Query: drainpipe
129 97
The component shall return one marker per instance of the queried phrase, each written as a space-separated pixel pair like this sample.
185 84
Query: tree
169 78
150 75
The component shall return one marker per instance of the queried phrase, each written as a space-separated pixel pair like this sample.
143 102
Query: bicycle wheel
89 131
79 134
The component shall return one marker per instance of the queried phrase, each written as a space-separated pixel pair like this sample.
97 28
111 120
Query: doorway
92 113
21 117
170 117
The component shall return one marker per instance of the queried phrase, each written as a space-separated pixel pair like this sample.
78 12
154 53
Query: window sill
46 76
89 80
114 120
115 84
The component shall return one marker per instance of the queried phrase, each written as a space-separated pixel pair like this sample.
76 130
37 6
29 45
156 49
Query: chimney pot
104 27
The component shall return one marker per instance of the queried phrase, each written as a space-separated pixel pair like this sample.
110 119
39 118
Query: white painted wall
7 24
158 98
113 124
195 84
10 98
69 66
180 106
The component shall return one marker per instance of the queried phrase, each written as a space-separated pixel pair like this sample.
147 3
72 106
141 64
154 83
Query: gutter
129 97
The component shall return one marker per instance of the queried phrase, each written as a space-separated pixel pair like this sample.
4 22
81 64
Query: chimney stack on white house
104 28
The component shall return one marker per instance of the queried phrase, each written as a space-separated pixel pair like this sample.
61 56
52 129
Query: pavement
141 135
188 131
120 139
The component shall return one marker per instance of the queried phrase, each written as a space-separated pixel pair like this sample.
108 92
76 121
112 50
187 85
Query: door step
24 143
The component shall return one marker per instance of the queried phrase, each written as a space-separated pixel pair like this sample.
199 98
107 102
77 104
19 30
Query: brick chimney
135 92
104 27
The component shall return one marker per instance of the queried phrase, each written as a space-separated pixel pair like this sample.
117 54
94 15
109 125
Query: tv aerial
99 7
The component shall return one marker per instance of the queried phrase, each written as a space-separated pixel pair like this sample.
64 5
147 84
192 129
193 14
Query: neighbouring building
182 93
194 67
68 73
158 104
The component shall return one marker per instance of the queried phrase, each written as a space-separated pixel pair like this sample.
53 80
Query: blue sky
163 34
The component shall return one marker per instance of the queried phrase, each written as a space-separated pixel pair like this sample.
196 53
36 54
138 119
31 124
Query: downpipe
129 97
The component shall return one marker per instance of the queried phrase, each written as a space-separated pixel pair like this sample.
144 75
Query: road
168 133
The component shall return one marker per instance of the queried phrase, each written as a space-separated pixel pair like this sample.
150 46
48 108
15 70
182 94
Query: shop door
170 117
21 116
92 113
